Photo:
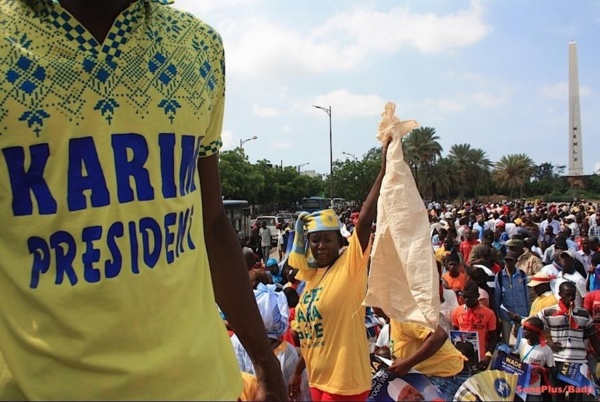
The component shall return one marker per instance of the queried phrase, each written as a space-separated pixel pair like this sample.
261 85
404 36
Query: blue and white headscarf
273 309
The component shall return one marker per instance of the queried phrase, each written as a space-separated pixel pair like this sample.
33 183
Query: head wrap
273 309
536 330
301 258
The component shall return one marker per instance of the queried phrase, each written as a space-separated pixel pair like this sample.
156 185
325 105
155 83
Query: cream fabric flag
403 278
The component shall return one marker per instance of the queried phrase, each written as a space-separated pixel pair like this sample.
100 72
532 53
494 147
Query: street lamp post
303 164
328 111
349 154
242 142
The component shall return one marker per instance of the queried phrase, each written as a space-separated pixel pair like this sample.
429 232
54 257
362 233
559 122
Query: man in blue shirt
511 294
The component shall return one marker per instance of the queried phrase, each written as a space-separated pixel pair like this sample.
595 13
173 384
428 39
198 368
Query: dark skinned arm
231 284
368 213
432 344
492 341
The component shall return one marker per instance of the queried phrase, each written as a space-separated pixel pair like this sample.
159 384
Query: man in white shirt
550 221
568 273
265 241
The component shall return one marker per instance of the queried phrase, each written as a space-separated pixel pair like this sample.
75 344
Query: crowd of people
521 275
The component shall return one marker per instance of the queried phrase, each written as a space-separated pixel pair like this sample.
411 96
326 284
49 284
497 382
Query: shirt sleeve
588 303
491 324
357 259
455 318
549 357
215 82
580 284
416 331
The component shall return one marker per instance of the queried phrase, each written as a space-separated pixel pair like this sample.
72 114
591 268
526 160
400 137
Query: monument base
579 181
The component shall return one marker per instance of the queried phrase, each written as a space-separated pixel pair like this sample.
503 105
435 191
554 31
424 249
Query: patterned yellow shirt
104 274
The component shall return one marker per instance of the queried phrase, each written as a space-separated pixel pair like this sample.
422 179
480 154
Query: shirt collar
44 7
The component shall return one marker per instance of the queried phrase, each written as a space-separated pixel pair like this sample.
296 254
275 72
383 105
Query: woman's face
324 246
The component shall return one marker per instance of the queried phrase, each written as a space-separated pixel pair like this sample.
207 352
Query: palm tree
421 149
513 171
481 169
437 177
471 167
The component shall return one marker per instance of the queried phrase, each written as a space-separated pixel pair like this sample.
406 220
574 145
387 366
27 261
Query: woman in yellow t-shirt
330 316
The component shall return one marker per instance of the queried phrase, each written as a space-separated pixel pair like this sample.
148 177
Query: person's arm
231 285
294 391
428 348
368 213
492 337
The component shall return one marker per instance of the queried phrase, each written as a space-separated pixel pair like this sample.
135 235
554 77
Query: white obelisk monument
575 145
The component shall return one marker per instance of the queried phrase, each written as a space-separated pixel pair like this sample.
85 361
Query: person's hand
535 370
514 316
294 387
400 367
597 319
555 346
270 380
384 150
484 363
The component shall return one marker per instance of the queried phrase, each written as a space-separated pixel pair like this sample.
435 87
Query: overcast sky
490 73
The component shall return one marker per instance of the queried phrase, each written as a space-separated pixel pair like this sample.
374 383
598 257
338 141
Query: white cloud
399 27
487 100
258 44
560 91
229 140
345 104
597 168
264 111
287 129
282 145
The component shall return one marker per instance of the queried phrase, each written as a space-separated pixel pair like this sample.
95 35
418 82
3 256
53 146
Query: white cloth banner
403 279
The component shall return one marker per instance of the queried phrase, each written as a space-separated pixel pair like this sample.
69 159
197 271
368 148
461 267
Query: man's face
471 298
550 216
497 234
509 262
566 263
468 234
448 243
585 245
452 266
567 295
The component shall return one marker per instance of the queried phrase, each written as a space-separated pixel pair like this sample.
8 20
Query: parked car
273 223
287 217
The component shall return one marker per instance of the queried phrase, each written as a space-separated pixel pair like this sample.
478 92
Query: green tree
513 171
352 179
471 168
439 179
239 180
421 149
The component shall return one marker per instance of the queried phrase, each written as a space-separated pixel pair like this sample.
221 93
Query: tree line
464 172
